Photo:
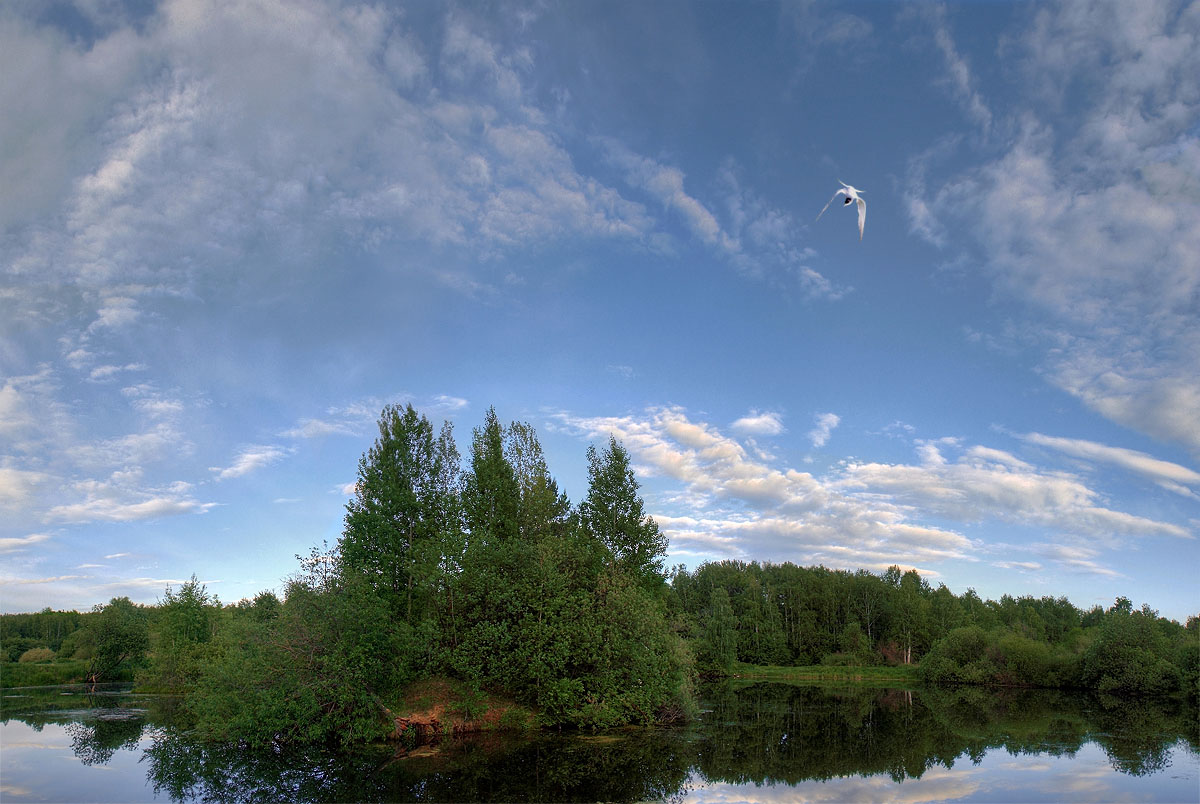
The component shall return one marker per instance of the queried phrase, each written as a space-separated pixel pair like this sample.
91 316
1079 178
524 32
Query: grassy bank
41 674
903 676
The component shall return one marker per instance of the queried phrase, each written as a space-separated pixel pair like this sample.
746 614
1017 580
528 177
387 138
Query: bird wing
835 195
862 217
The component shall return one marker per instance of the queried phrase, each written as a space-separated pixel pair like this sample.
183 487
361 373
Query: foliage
789 615
36 655
14 674
1131 655
43 629
186 622
120 634
716 650
613 513
312 674
401 511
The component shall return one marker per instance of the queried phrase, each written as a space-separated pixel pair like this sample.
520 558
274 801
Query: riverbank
42 674
899 676
438 707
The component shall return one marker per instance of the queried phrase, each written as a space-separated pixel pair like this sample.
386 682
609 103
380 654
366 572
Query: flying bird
852 194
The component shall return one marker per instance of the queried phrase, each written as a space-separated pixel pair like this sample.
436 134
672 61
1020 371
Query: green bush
36 655
1130 656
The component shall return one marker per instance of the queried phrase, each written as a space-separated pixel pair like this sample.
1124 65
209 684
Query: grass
41 674
883 676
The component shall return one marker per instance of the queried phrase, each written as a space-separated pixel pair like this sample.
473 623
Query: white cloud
443 403
15 543
762 424
250 459
318 428
214 130
1091 217
826 422
978 487
17 486
1172 476
714 499
962 84
665 184
107 509
102 373
1075 558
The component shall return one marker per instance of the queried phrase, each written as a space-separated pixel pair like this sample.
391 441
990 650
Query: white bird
852 194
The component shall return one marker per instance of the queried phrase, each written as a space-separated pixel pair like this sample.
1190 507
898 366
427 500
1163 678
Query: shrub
36 655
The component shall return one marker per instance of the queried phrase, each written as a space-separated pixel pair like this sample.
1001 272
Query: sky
231 233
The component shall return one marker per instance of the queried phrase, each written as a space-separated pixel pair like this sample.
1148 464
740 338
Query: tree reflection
633 766
95 741
750 733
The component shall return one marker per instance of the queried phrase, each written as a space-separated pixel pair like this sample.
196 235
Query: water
754 742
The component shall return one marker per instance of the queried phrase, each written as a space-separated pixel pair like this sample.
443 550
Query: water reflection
755 742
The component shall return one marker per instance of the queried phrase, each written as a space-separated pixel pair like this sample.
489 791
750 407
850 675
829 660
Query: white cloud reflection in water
1086 776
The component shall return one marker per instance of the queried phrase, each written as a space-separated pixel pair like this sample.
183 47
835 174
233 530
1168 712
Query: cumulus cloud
990 484
715 499
755 423
826 422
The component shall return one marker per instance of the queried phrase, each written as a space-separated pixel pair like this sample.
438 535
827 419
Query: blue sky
230 233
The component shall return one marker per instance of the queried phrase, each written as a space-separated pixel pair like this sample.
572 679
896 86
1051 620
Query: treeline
782 614
45 632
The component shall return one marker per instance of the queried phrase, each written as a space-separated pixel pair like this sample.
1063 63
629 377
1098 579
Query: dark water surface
754 742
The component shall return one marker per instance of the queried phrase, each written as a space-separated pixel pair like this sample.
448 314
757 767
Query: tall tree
491 494
543 509
400 510
718 642
614 514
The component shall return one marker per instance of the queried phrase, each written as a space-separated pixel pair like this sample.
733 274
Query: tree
186 623
400 511
491 494
614 514
120 633
718 642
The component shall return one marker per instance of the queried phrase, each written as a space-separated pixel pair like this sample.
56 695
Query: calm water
754 742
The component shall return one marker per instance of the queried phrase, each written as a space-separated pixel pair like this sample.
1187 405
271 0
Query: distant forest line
484 572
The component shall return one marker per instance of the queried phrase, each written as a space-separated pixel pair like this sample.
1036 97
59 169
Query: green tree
120 634
186 623
493 588
399 514
1130 655
314 673
491 494
614 514
717 650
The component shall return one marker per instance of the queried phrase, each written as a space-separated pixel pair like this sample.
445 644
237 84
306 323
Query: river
754 742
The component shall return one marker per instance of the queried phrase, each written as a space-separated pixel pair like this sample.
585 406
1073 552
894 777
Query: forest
483 572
